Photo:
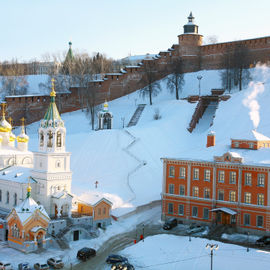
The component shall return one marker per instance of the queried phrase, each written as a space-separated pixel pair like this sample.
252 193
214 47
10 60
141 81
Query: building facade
225 190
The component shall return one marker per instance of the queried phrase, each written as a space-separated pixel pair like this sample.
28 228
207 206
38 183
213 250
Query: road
119 242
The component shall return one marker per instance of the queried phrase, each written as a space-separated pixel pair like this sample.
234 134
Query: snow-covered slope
101 155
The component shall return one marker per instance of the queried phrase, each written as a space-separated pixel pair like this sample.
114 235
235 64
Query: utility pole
212 247
199 77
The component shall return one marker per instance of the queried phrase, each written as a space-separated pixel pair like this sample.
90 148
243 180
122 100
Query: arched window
0 195
15 199
41 139
50 137
7 197
58 139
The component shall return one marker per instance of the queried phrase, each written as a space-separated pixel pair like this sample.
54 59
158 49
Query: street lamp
247 241
123 121
212 247
199 77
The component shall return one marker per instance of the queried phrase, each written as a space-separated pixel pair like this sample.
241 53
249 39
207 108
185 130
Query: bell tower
52 162
190 41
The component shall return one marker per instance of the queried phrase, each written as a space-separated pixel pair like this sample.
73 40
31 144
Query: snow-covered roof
113 74
27 208
16 174
60 194
35 229
132 66
253 136
12 151
225 210
94 199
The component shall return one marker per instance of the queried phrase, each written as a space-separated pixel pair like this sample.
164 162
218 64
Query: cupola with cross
52 131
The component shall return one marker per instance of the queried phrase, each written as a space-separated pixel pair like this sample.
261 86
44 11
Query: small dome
12 137
22 138
5 126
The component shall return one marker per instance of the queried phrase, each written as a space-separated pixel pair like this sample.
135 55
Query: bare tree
176 80
150 80
236 63
13 80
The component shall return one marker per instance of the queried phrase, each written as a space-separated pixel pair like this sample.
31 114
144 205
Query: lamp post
212 247
123 121
247 241
199 77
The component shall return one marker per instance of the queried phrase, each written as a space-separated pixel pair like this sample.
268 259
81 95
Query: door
76 235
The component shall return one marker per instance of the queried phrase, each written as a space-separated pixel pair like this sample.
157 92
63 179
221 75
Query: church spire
191 27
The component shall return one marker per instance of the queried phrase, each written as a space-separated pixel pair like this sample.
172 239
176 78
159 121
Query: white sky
120 27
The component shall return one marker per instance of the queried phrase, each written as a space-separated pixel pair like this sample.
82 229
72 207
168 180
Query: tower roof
190 27
52 117
69 56
5 126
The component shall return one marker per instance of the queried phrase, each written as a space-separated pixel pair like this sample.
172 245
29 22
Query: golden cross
53 81
23 120
10 120
3 105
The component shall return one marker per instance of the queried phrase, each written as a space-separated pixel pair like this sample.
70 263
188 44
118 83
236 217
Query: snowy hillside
104 156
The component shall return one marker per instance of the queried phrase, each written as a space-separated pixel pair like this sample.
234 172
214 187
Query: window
236 144
58 139
221 194
207 193
180 209
194 211
171 171
171 188
247 197
250 145
182 190
99 211
205 213
7 197
41 139
232 196
170 208
261 180
182 172
195 192
0 195
246 219
15 199
221 176
232 177
207 175
260 199
248 179
104 210
259 221
196 174
50 137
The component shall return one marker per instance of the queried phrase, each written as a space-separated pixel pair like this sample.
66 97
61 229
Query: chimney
211 139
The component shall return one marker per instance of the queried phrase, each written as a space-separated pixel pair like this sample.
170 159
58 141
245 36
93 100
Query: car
114 258
263 241
24 266
86 253
122 266
195 229
41 266
170 223
5 266
55 262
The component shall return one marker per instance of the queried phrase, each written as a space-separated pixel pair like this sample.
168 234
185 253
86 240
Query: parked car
5 266
170 223
122 266
195 229
114 258
41 266
24 266
263 241
86 253
55 262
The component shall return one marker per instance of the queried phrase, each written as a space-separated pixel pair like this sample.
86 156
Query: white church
47 170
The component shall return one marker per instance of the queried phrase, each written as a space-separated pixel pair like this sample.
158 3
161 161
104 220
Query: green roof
51 114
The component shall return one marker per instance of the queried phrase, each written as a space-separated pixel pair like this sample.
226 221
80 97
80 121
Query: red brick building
224 190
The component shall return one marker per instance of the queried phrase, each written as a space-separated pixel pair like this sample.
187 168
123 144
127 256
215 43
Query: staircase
136 116
207 119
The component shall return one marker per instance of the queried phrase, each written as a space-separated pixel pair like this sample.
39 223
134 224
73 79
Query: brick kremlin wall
194 55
